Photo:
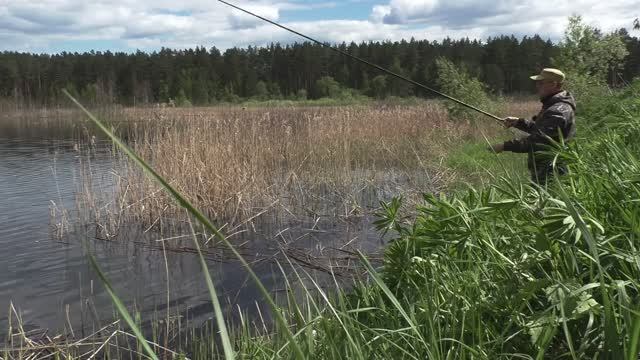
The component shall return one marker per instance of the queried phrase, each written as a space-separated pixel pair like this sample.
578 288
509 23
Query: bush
587 52
585 86
379 86
456 82
301 94
261 91
182 100
327 87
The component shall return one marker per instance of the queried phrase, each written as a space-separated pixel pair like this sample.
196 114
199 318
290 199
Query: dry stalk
233 163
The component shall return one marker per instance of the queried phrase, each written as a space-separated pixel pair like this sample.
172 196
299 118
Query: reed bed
234 162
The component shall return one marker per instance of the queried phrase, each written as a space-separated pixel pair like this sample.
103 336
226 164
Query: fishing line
367 62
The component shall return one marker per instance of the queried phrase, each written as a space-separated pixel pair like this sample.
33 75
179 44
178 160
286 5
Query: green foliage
230 97
586 51
273 90
536 269
456 82
71 89
584 86
476 165
182 100
208 75
494 76
200 92
184 85
163 95
396 86
589 58
90 93
262 93
327 87
509 270
301 94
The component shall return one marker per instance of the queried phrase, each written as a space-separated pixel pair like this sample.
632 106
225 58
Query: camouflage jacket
556 117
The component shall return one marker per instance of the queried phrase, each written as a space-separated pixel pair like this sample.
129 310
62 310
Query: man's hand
497 148
510 121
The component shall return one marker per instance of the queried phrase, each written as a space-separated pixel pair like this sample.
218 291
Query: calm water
43 275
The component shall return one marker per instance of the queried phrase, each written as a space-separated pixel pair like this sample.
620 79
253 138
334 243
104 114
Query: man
556 119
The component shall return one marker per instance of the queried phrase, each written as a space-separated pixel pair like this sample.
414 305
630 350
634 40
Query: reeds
234 162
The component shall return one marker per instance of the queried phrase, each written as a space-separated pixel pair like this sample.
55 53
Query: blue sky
126 25
354 10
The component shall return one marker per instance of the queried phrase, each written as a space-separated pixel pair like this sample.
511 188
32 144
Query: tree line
204 76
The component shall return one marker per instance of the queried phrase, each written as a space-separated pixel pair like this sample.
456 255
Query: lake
45 271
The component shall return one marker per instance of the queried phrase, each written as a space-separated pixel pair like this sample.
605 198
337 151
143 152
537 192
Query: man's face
546 87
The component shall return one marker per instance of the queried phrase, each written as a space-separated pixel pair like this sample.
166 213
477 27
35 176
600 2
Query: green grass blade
122 309
182 201
222 327
389 294
611 334
634 338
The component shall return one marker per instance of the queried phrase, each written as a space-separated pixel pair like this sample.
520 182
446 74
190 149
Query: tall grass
206 224
514 270
233 162
508 271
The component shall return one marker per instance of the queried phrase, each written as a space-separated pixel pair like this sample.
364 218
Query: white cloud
403 11
151 24
157 25
241 20
520 17
379 12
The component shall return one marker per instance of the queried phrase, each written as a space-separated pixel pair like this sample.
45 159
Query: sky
53 26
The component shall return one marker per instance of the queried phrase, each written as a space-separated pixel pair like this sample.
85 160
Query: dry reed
233 162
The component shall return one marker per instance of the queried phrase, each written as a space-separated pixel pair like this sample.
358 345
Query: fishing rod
500 120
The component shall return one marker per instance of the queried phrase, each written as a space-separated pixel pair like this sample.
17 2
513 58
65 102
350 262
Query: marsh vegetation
475 262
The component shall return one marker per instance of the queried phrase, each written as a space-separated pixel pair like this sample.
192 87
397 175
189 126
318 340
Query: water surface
47 277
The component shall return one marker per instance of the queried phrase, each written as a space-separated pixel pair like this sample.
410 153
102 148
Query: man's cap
550 75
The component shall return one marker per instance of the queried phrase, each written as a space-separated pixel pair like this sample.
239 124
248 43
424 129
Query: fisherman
557 118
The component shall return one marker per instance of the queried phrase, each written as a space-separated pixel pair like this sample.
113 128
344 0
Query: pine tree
206 76
396 86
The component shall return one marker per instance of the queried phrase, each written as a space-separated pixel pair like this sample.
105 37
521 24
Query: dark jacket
558 113
556 117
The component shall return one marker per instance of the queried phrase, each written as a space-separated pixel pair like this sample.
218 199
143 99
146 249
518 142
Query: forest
204 76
